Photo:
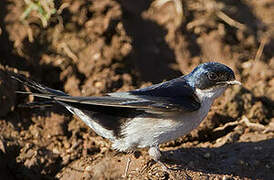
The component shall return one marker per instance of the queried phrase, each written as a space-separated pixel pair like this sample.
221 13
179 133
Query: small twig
268 129
250 124
30 34
127 167
2 145
69 53
226 125
230 21
62 7
260 49
195 23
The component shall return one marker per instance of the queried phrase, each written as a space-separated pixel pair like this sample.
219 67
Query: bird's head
211 78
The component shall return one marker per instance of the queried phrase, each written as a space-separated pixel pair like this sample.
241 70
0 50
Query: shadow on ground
151 55
237 159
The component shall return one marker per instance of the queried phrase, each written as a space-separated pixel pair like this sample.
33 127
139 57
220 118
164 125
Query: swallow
147 117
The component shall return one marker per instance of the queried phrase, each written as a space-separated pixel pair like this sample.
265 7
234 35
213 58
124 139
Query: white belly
146 132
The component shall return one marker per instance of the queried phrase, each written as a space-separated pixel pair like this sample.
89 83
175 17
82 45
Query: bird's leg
155 154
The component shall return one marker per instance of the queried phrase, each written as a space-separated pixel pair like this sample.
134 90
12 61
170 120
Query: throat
209 95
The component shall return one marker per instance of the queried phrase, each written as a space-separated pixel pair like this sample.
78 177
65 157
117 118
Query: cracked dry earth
99 46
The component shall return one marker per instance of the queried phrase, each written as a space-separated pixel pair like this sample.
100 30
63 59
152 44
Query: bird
149 116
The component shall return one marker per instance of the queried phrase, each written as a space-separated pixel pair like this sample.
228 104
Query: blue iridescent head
210 75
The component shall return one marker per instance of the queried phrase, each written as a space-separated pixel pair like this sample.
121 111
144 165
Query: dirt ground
93 47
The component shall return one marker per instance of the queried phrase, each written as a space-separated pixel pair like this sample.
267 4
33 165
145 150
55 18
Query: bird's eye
212 76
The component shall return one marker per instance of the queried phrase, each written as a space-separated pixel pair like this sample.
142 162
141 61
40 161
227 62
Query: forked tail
39 87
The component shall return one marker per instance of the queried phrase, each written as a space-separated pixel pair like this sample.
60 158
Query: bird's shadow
243 159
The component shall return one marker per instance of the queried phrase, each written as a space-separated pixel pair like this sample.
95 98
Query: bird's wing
174 93
149 104
171 96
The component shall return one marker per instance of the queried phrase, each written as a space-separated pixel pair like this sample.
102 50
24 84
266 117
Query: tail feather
37 104
39 87
44 92
41 95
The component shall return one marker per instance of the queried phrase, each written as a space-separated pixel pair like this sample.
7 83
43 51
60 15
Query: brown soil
99 46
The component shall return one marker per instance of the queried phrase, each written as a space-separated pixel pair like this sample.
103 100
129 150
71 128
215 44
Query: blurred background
92 47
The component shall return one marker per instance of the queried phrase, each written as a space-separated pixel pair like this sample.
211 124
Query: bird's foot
156 156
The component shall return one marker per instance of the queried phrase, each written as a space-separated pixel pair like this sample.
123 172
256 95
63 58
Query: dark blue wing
176 92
